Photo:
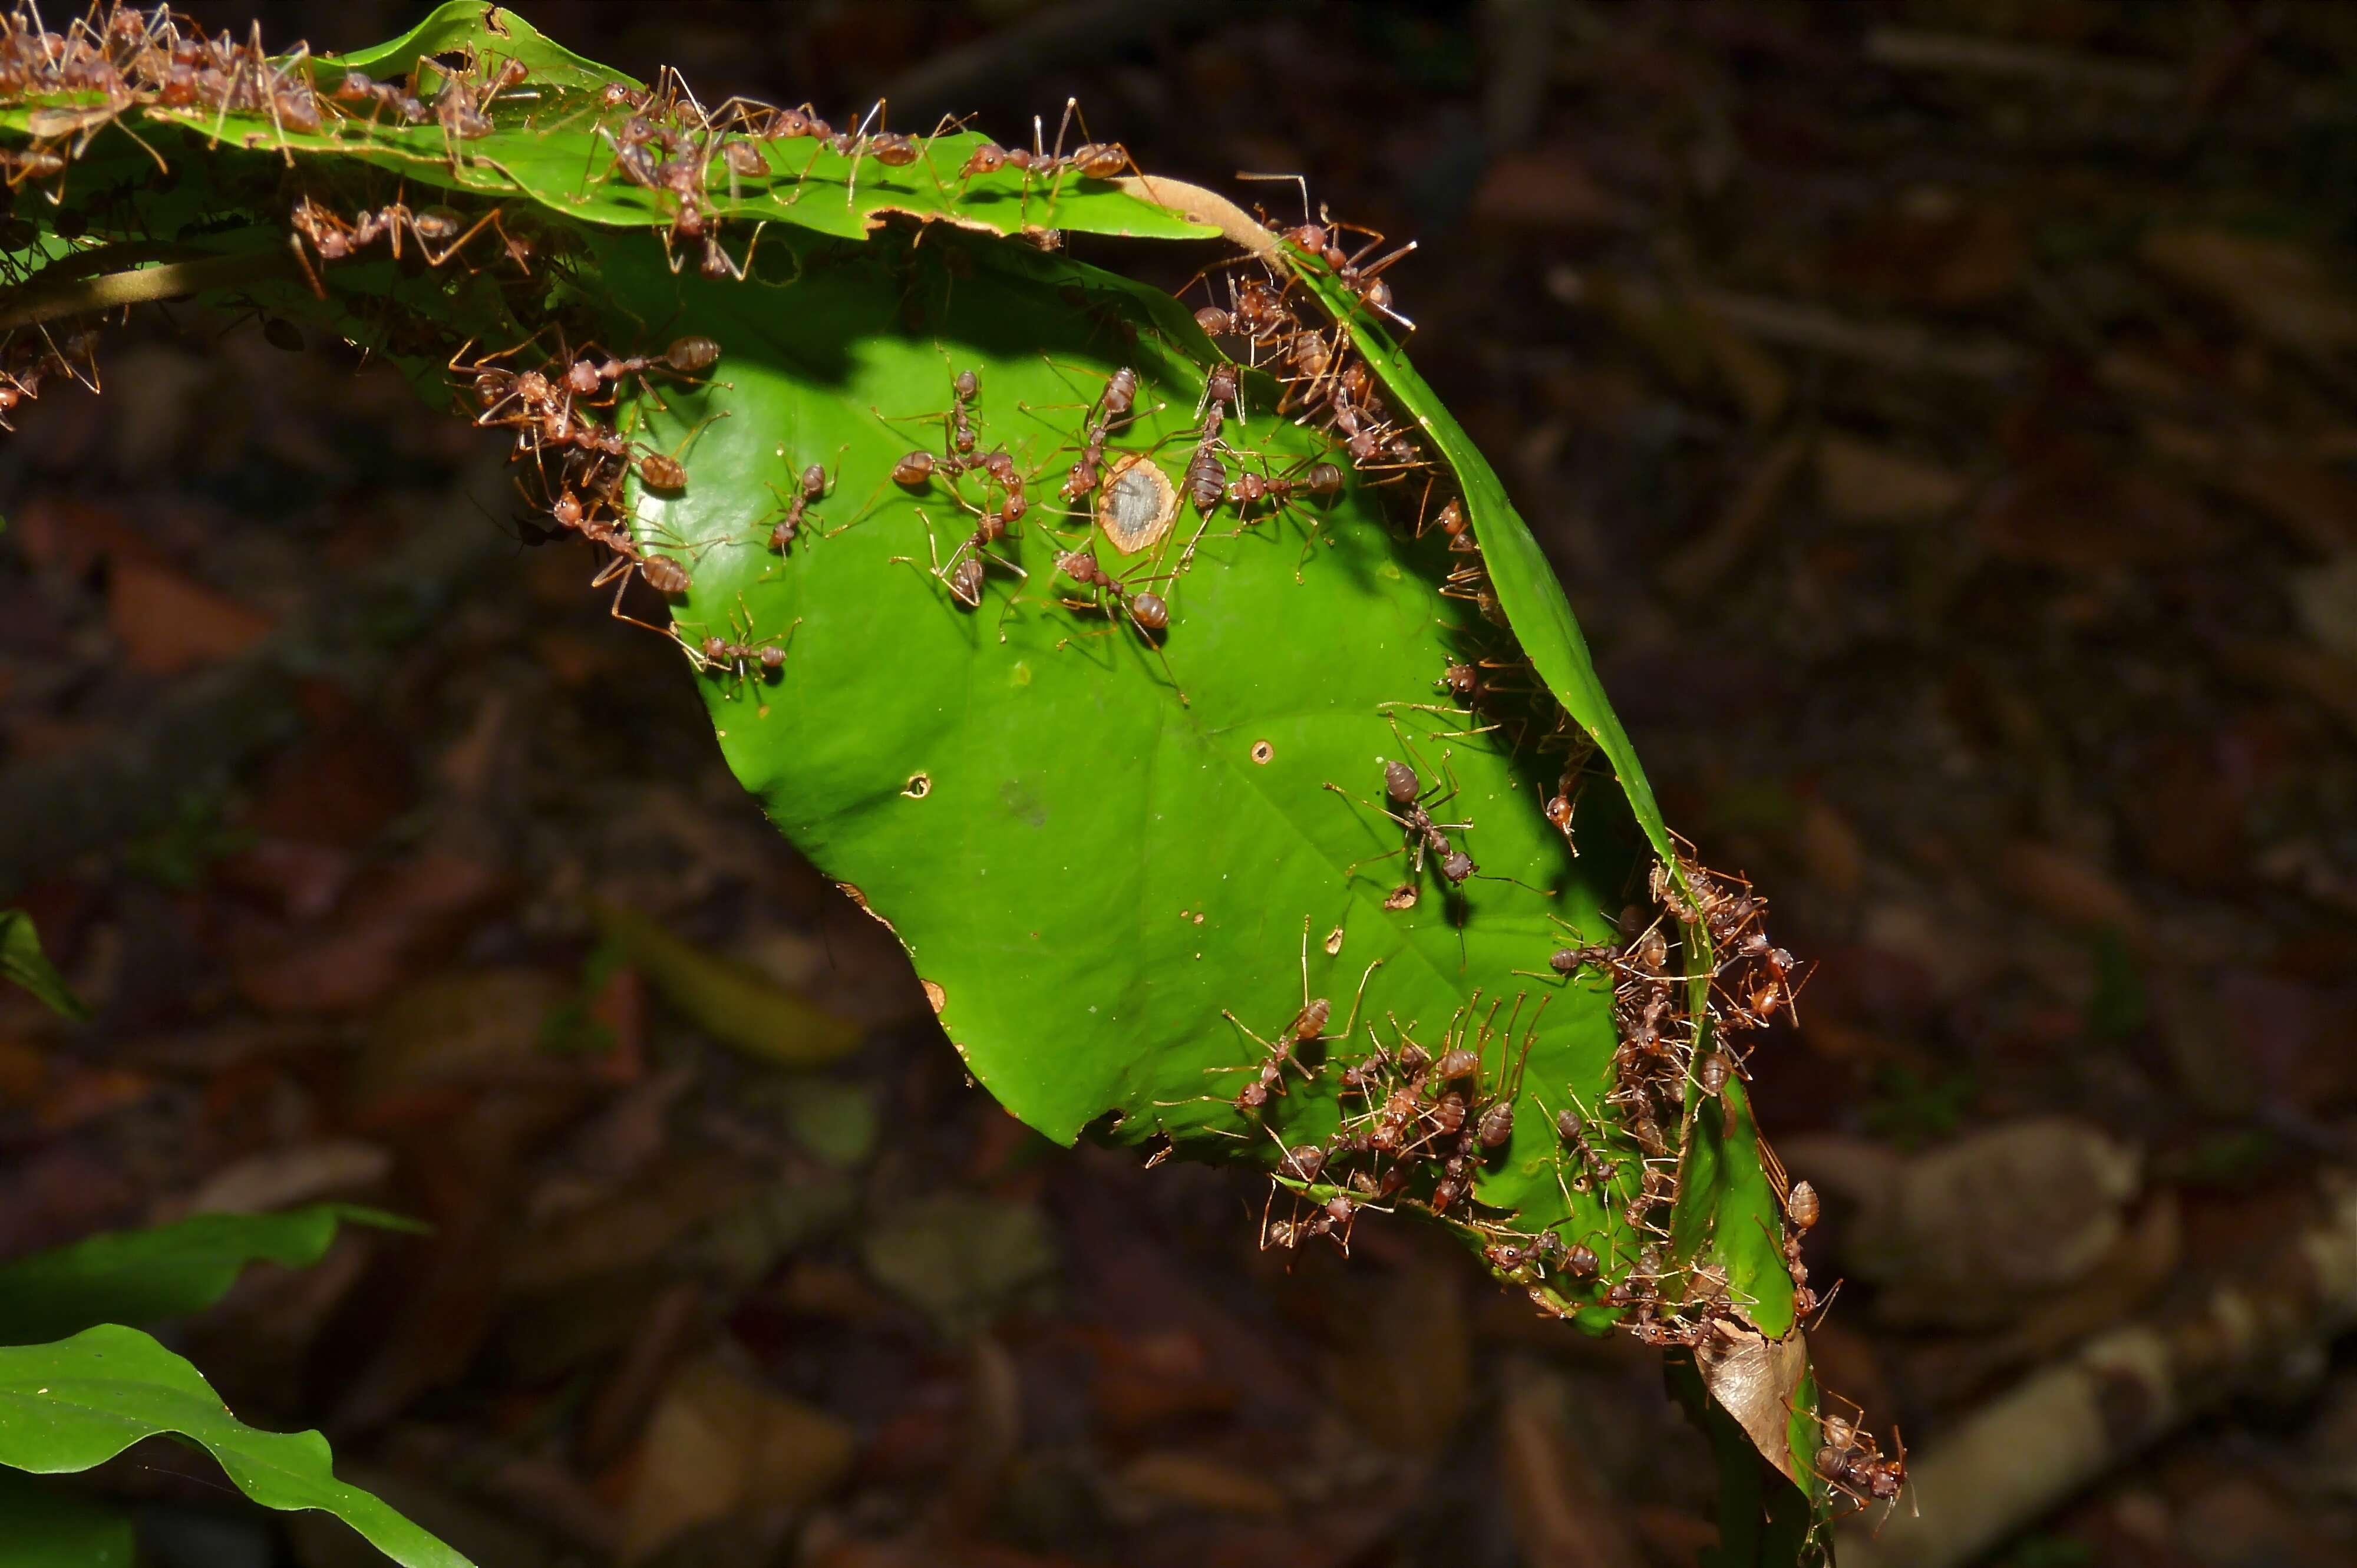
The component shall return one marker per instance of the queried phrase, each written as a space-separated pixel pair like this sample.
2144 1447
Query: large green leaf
80 1402
142 1276
23 962
1123 861
1091 870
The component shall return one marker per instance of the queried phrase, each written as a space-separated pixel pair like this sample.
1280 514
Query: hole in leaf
919 786
1262 751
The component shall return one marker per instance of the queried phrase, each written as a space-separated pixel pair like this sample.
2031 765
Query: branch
2124 1390
49 294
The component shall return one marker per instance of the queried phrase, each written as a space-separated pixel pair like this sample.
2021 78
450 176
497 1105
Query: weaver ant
1148 611
1306 1027
808 485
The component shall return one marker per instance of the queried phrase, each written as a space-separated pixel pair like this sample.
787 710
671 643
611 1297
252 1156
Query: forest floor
1944 419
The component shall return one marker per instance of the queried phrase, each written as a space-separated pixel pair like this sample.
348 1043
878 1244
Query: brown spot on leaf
1136 504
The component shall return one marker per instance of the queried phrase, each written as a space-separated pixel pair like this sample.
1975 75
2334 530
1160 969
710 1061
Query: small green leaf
80 1402
22 961
41 1527
474 23
141 1276
734 1003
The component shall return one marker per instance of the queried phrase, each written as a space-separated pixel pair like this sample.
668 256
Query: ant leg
859 151
1296 178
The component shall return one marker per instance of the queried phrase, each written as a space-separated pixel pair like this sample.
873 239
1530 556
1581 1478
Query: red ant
1406 794
809 486
965 573
1306 1027
1148 611
335 238
1092 160
1113 405
736 655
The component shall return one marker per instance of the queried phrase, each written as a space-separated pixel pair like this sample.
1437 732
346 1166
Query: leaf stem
48 297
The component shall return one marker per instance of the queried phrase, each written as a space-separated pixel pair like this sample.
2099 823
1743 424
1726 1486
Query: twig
1901 348
46 299
2122 1391
1965 55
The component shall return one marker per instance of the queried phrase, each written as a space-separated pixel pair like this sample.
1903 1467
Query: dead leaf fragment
962 1261
1562 1519
1195 1481
2069 888
2280 290
718 1443
282 1178
1753 1378
168 623
1861 482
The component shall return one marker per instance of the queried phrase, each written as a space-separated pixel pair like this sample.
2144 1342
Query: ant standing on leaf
1307 1026
740 654
1148 613
1406 795
808 485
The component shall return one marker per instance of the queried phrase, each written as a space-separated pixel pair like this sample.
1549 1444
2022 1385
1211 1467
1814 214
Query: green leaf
1528 590
80 1402
1090 870
141 1276
461 25
1124 861
550 153
734 1003
22 961
44 1528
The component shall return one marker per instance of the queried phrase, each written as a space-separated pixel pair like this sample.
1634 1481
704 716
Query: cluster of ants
579 462
668 143
126 57
1005 500
1673 1050
1428 1117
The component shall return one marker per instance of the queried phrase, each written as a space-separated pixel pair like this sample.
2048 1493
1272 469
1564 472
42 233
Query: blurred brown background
1943 417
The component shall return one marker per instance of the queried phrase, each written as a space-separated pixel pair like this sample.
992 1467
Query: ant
810 486
1148 612
587 373
357 86
1246 489
1362 278
1597 1171
663 470
1113 405
734 655
1306 1027
1852 1463
1092 160
335 238
1405 793
965 575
